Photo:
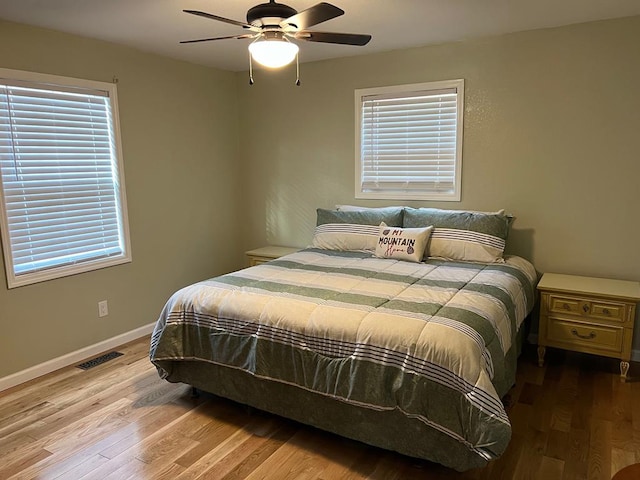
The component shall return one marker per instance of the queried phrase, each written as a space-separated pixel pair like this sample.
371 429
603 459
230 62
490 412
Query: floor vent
94 362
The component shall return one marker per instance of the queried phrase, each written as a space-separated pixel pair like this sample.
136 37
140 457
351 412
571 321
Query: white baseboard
73 357
635 354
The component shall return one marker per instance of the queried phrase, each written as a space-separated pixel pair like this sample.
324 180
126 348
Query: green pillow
392 216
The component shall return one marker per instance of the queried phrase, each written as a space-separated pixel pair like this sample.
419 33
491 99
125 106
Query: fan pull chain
297 69
250 70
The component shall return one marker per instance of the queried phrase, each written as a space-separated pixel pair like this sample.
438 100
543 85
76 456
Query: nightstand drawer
613 311
564 304
587 307
590 335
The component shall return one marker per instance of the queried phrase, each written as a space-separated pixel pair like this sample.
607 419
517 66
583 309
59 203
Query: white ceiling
158 25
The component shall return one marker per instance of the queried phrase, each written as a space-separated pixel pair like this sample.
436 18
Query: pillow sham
402 243
462 235
391 216
510 218
346 236
357 208
352 230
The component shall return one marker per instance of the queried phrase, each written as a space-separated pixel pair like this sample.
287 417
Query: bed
410 356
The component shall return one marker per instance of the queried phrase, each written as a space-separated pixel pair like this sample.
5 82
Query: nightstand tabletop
622 289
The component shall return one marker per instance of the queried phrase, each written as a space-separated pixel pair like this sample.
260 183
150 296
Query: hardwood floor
572 419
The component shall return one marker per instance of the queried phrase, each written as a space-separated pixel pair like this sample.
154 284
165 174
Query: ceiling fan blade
331 37
220 19
313 15
217 38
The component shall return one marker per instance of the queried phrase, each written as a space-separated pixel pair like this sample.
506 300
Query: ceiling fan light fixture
271 26
273 52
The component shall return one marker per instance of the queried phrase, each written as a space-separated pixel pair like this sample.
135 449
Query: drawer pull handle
566 306
586 337
585 308
606 311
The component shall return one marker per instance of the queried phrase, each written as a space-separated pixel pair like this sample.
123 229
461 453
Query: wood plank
621 459
293 460
550 468
80 469
347 461
557 444
250 463
576 456
599 463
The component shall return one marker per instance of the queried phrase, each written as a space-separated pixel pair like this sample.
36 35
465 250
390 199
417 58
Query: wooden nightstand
589 315
264 254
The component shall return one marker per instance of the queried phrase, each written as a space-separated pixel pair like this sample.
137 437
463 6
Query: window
409 141
62 191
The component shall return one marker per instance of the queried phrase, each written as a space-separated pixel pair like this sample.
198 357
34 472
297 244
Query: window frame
62 84
400 91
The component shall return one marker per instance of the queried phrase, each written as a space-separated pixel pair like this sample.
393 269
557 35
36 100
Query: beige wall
551 126
179 137
552 119
550 133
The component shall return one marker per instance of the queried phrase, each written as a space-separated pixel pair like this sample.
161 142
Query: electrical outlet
103 308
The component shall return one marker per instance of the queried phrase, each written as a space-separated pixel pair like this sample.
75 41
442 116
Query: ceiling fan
273 25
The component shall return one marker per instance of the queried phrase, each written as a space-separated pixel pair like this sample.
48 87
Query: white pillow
402 243
462 234
346 236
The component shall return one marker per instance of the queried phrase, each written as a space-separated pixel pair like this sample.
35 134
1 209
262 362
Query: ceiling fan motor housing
269 14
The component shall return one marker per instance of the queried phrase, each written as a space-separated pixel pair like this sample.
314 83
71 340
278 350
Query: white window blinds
61 190
410 141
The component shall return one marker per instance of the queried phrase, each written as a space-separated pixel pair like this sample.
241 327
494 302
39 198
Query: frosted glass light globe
274 53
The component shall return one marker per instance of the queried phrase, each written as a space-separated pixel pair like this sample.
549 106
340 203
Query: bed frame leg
195 393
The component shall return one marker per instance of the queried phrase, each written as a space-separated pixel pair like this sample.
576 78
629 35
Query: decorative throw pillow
402 243
462 235
346 236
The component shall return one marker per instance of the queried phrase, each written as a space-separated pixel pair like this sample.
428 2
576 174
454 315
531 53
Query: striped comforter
435 341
